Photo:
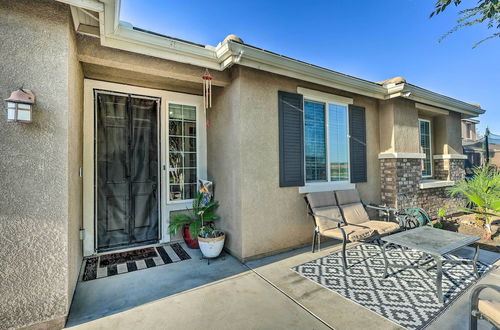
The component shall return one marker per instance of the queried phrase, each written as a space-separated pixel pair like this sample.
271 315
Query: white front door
182 161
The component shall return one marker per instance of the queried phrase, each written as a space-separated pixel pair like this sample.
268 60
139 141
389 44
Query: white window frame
165 206
326 99
430 145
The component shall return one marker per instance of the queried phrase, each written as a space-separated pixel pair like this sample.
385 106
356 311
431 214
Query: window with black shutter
291 139
357 143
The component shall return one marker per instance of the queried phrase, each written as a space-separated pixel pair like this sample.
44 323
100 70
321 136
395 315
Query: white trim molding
325 186
427 184
399 155
330 98
433 110
450 156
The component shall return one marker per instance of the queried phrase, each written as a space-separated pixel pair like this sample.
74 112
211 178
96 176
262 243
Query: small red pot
192 243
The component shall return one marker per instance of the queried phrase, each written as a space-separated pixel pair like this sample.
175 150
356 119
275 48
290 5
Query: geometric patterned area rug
406 297
125 262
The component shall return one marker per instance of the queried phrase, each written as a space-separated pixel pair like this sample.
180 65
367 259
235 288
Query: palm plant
199 219
483 193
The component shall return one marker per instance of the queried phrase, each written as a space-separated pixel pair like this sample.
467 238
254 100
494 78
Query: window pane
315 142
339 153
175 144
189 144
175 127
189 191
175 111
176 159
175 192
425 145
176 175
190 128
190 159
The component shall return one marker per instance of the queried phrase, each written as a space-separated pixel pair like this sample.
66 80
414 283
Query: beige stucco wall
224 158
36 174
453 125
260 217
406 136
75 162
386 126
446 133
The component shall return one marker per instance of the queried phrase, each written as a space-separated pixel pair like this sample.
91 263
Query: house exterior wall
224 159
406 130
37 265
401 176
75 162
269 218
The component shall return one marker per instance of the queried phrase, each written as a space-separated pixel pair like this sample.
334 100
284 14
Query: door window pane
337 122
182 151
315 143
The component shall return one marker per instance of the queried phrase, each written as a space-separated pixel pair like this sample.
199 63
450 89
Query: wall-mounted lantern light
20 106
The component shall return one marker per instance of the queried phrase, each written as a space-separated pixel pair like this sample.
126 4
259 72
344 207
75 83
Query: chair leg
319 242
344 258
314 240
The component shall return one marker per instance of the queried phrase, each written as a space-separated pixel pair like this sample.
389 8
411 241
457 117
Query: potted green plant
198 224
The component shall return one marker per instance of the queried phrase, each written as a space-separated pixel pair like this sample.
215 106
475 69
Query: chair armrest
327 218
474 297
380 207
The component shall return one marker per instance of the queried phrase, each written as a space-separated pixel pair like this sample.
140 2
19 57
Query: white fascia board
162 47
431 109
331 98
93 5
434 99
262 60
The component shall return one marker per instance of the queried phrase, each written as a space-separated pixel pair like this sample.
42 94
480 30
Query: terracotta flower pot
192 243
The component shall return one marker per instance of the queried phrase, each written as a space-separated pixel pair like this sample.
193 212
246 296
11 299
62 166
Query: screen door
126 153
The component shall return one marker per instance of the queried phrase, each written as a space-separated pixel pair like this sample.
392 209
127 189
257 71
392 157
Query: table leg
385 259
439 278
474 261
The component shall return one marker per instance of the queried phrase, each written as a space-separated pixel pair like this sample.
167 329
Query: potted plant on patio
198 227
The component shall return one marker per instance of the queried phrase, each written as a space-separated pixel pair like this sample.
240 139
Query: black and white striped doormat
126 262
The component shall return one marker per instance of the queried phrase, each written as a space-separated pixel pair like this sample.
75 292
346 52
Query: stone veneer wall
401 178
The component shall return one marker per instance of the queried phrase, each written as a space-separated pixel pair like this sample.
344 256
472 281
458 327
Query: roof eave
259 59
121 35
425 96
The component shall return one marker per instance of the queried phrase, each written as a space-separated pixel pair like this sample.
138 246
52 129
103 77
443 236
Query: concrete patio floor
261 294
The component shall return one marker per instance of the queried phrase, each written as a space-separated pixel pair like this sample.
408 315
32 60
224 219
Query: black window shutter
291 138
357 143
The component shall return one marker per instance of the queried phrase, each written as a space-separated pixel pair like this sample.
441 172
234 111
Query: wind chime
207 92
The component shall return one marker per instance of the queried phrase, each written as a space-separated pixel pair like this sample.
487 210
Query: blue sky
373 40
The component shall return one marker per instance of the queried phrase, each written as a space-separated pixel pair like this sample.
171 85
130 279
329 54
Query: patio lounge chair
342 215
484 309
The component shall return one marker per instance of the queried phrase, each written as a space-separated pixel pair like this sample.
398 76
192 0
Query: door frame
164 205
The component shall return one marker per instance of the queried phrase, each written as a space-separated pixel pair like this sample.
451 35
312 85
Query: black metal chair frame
340 224
475 314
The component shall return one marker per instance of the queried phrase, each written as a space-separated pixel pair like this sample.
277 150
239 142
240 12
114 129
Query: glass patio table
435 243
